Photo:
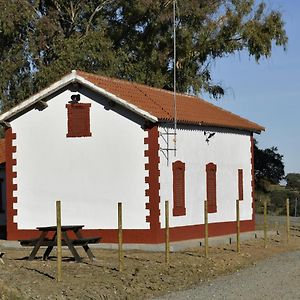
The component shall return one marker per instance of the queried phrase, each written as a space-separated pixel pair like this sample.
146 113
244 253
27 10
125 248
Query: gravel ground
275 278
146 275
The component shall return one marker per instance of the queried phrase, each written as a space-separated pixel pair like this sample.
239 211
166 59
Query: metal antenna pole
174 73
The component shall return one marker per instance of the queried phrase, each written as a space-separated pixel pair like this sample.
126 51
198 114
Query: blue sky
268 93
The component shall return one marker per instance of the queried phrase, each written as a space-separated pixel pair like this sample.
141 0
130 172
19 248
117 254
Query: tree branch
97 9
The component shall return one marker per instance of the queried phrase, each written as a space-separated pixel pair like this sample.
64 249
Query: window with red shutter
211 187
78 120
241 184
178 188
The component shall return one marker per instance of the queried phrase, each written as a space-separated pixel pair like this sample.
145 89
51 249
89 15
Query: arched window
211 187
178 188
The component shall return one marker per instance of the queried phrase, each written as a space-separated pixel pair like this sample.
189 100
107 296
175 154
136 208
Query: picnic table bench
50 243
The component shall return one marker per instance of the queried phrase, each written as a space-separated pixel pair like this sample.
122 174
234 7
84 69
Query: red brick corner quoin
152 153
10 186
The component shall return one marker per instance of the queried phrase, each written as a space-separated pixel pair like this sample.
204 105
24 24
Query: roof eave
38 97
258 129
70 78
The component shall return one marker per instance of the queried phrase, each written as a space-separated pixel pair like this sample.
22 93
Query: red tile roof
159 103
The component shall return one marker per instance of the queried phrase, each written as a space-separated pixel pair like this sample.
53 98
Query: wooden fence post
287 220
58 237
265 224
167 233
206 227
238 226
120 236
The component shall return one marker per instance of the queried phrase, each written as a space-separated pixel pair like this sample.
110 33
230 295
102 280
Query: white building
92 141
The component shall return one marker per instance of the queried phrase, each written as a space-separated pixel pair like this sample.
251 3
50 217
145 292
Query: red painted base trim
145 236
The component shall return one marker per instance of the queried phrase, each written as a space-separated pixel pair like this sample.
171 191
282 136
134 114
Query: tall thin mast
174 74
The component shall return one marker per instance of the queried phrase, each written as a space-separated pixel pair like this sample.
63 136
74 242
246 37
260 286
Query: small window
178 188
241 184
78 120
211 187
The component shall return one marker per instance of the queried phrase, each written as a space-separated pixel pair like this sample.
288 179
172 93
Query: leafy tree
269 171
293 181
14 62
268 166
43 39
278 198
293 186
206 30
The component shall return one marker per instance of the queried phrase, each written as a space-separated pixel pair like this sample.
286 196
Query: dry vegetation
145 274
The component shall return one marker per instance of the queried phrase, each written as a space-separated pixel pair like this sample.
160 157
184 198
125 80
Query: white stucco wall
89 175
230 152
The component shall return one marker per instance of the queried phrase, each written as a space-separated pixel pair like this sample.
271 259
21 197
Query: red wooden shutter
178 188
241 184
78 120
211 187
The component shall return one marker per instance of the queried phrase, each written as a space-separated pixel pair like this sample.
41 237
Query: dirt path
145 275
274 278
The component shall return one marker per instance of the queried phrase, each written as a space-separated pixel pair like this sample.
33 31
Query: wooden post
265 224
58 237
120 236
167 233
238 249
206 227
287 220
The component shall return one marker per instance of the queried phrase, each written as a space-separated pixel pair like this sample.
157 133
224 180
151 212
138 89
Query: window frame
78 120
178 169
240 184
211 187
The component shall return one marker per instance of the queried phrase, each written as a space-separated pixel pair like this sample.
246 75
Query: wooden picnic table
44 240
